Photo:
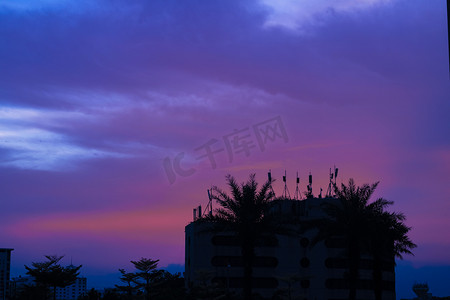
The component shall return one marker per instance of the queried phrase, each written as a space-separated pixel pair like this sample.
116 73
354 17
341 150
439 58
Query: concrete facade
284 264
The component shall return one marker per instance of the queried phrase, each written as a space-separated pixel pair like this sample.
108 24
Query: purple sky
95 95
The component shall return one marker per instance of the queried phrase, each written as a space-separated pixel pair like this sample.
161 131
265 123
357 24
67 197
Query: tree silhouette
51 274
93 294
205 289
145 274
364 226
388 239
167 286
130 283
245 213
147 282
353 219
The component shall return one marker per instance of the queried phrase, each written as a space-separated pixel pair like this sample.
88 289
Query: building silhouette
5 266
284 263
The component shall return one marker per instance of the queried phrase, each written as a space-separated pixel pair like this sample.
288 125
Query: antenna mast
329 189
331 185
309 187
297 195
209 208
269 177
286 193
335 174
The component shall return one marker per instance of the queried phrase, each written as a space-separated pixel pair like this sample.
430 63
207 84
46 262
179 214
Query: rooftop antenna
335 174
209 208
269 177
309 186
286 193
297 195
331 185
335 178
197 212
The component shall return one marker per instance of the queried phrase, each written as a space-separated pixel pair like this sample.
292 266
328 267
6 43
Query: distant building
5 266
284 264
71 292
17 284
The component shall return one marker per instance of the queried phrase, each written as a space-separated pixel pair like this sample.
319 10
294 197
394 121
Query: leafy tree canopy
51 273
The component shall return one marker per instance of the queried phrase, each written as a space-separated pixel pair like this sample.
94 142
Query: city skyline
100 100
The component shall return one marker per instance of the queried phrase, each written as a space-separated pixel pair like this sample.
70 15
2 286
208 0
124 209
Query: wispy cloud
32 5
28 144
32 148
300 15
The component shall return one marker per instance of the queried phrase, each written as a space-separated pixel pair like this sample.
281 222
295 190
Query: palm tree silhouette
245 213
365 227
389 239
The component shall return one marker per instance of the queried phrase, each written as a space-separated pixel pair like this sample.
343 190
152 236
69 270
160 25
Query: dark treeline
144 283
